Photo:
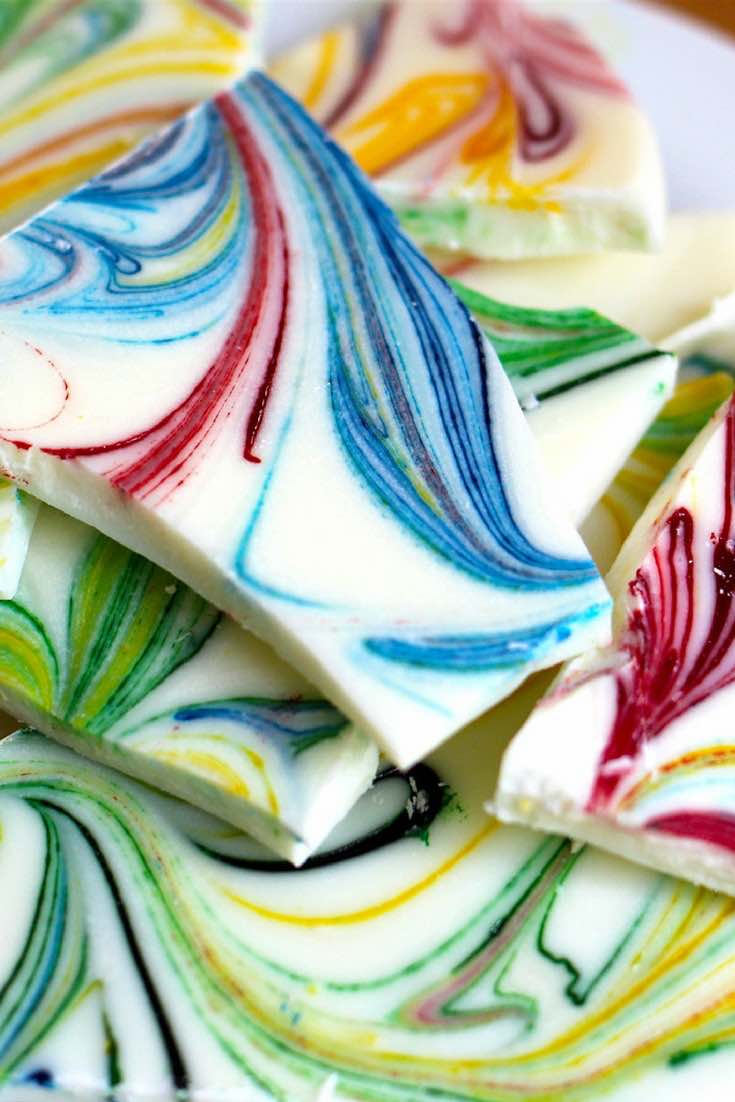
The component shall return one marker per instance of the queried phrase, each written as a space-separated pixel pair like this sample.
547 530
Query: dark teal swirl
424 796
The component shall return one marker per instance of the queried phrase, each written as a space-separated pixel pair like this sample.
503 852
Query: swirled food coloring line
331 451
589 389
82 83
112 656
150 955
647 722
492 127
679 298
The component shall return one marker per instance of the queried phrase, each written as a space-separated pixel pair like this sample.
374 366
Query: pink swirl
673 661
533 52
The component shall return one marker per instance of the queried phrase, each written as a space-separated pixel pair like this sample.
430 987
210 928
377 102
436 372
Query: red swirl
63 394
160 458
667 671
533 53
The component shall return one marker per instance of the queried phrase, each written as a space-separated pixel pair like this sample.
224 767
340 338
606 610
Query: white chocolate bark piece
239 367
589 389
690 291
492 127
110 655
245 748
632 748
678 297
82 83
427 952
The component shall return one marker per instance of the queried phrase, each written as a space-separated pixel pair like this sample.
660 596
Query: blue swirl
496 650
36 977
292 725
408 373
408 368
83 256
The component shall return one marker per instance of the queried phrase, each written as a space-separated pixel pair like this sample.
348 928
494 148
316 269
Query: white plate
683 75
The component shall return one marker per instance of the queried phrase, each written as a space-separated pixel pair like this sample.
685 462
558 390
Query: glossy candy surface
112 656
148 952
493 127
331 450
17 517
84 81
682 297
589 389
647 723
122 67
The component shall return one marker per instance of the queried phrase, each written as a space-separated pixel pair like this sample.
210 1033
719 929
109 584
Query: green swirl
129 627
493 983
547 352
53 42
28 661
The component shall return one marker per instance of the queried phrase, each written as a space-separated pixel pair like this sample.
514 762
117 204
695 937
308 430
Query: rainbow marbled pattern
331 451
647 723
705 385
682 297
589 389
147 954
82 82
109 654
492 127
